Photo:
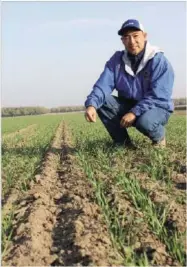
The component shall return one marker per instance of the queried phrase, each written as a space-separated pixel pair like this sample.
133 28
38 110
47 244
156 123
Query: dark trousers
151 123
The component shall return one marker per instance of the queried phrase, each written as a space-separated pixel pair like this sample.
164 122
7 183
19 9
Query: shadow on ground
64 235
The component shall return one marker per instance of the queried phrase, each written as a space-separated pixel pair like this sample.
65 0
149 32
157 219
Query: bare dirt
57 221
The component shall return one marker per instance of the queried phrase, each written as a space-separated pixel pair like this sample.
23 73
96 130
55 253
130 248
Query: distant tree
67 109
179 101
23 111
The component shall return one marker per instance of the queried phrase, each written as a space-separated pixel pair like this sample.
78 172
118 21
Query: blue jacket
151 86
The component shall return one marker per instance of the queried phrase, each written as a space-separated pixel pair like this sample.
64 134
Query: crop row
22 155
105 164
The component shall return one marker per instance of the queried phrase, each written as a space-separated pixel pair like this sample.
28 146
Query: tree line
179 101
24 111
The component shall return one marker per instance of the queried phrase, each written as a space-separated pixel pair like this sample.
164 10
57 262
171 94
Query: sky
54 52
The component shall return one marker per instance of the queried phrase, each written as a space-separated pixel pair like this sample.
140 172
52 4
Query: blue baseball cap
130 23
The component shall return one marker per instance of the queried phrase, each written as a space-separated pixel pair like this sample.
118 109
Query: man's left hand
127 120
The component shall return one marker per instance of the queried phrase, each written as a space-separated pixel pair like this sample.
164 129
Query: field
69 197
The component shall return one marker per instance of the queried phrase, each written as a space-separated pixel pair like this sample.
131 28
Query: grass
7 230
103 163
22 155
118 177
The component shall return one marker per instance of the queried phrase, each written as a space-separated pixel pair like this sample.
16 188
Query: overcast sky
53 52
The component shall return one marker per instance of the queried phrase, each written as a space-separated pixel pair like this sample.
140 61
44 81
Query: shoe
130 145
159 144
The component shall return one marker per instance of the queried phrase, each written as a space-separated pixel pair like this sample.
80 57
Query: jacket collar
150 52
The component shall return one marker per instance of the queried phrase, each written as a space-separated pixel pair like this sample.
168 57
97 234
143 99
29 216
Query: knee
145 124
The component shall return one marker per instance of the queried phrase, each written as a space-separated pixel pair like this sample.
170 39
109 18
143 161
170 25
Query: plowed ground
57 221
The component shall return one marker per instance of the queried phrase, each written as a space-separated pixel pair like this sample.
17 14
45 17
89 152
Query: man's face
134 41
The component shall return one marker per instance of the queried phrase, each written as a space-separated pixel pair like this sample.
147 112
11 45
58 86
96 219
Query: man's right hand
90 114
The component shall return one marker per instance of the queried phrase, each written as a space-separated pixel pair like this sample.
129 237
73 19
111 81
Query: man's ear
122 39
145 35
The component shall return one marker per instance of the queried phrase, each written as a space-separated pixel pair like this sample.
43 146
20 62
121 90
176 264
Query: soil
57 221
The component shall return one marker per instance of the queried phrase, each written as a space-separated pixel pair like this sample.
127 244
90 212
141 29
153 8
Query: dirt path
56 221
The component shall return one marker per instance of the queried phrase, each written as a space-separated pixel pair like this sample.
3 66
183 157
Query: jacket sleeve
103 87
161 87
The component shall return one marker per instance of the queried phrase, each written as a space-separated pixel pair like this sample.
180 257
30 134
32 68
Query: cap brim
123 30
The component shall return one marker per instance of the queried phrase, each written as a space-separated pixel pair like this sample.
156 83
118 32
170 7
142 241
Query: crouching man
143 78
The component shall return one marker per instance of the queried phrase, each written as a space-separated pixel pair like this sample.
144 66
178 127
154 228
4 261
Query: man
144 80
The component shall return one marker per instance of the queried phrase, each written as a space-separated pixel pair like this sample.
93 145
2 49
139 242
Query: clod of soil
57 221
